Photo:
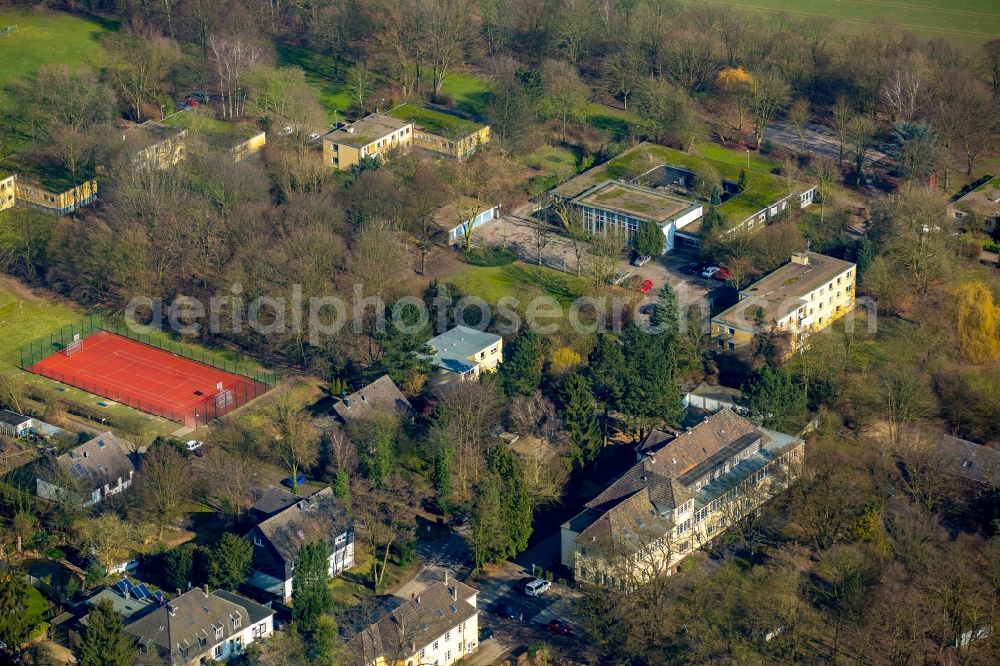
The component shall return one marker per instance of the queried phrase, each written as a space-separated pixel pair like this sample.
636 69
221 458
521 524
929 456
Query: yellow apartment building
156 145
805 295
372 136
8 183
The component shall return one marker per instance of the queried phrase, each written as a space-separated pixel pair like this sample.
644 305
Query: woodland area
875 556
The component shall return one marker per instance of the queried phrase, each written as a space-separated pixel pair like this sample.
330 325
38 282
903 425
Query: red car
723 274
560 627
645 286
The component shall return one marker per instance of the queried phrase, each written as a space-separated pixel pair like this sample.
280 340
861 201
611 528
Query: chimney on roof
204 588
446 576
800 258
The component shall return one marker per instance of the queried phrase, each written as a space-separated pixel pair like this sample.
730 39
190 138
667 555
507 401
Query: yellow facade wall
454 148
60 202
8 191
253 145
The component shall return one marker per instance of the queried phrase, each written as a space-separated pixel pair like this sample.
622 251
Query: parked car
723 274
640 261
193 445
522 583
299 480
560 627
710 271
286 130
620 277
485 634
314 136
645 287
507 611
537 587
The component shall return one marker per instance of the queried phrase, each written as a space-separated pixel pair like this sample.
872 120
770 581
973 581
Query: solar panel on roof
158 595
122 586
141 591
78 470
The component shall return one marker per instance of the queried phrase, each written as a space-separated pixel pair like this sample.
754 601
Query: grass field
519 280
44 37
968 21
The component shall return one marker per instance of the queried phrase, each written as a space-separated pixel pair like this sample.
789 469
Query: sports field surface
969 21
149 379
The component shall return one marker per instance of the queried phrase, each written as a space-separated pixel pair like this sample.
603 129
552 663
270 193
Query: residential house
464 353
442 131
683 493
620 207
439 625
805 295
278 538
982 203
457 218
382 396
68 627
199 626
968 460
13 424
372 136
156 145
91 472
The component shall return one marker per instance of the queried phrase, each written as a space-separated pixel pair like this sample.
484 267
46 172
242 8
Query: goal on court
223 396
73 346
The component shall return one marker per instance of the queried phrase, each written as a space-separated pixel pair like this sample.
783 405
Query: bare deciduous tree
232 59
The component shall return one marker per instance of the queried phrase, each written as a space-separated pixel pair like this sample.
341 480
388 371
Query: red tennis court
149 379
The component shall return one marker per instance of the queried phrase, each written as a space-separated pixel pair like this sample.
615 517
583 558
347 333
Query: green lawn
522 281
436 122
25 319
469 92
968 21
617 122
47 37
319 69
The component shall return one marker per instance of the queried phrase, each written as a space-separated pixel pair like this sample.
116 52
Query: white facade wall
458 642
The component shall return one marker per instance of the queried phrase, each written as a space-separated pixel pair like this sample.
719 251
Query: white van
537 587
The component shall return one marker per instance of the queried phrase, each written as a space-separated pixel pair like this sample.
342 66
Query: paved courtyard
516 233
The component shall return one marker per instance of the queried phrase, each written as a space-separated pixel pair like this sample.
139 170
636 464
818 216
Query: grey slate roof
320 516
176 627
98 461
274 499
381 396
13 418
970 460
454 349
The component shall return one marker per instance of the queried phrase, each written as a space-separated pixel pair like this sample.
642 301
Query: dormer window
218 631
236 622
